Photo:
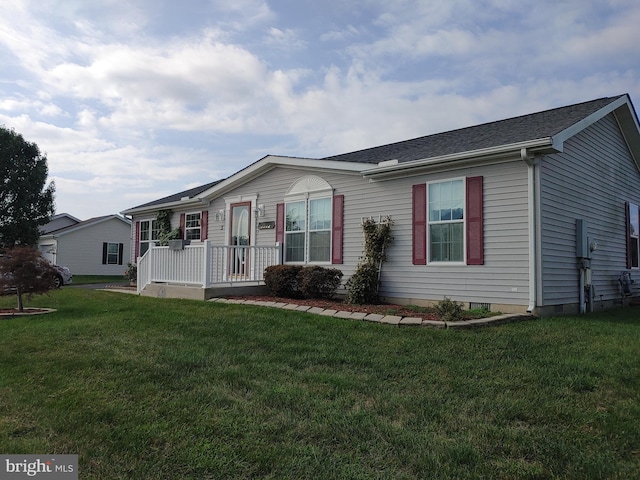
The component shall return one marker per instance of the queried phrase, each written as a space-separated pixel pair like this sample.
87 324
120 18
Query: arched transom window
308 215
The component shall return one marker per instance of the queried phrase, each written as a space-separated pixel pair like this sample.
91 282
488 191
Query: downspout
530 161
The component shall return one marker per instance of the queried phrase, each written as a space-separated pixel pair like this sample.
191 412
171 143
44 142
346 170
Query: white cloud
126 111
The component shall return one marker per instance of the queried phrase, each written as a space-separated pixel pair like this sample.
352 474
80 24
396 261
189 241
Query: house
535 213
98 246
58 222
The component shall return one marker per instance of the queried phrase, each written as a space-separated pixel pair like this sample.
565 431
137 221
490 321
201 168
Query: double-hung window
149 233
308 230
446 221
192 226
113 255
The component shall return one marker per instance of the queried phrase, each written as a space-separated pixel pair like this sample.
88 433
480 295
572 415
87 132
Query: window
192 226
149 232
310 223
446 221
633 234
308 230
112 253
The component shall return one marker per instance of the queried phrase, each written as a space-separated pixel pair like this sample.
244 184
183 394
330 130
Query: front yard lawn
144 388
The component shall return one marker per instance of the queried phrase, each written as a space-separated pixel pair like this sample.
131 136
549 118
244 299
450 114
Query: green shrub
449 310
296 281
362 287
283 280
319 282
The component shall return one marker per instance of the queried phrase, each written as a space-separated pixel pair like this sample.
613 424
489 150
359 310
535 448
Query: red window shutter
419 224
204 224
280 223
627 216
475 230
182 225
136 241
337 229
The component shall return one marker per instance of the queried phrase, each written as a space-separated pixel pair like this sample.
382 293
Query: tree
24 270
25 202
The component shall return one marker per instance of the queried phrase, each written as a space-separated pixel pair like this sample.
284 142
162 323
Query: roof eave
83 225
186 203
625 115
459 160
246 174
271 161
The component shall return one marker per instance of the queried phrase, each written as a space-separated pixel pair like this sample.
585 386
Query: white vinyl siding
81 250
503 279
591 180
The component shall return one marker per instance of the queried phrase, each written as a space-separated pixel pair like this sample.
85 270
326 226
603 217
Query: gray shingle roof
510 131
176 197
80 224
494 134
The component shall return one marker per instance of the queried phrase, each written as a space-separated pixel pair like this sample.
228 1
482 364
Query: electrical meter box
582 241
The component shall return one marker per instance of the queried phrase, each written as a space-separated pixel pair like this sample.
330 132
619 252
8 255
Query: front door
240 239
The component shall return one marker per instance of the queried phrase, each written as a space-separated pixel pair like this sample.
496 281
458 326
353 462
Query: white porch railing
206 265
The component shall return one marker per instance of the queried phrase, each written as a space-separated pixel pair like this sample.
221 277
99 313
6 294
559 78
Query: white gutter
534 228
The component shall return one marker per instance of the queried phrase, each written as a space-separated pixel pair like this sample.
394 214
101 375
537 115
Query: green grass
146 388
89 279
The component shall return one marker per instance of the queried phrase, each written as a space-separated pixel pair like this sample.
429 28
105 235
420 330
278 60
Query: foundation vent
474 305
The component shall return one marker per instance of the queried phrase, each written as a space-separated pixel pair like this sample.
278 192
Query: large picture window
310 222
308 230
446 221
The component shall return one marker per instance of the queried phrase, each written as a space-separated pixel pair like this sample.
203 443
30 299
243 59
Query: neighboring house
504 214
98 246
57 222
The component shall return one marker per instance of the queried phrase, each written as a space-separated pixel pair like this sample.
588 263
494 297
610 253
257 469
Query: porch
204 270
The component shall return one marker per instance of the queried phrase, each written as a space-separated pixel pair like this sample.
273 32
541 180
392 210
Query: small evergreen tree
25 202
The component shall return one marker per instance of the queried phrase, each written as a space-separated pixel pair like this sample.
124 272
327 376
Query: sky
135 100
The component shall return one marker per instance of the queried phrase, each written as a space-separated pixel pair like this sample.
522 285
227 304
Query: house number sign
266 225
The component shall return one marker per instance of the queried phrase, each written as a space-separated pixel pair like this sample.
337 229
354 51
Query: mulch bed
381 309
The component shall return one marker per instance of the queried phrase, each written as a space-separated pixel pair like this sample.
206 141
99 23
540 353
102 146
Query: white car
63 277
